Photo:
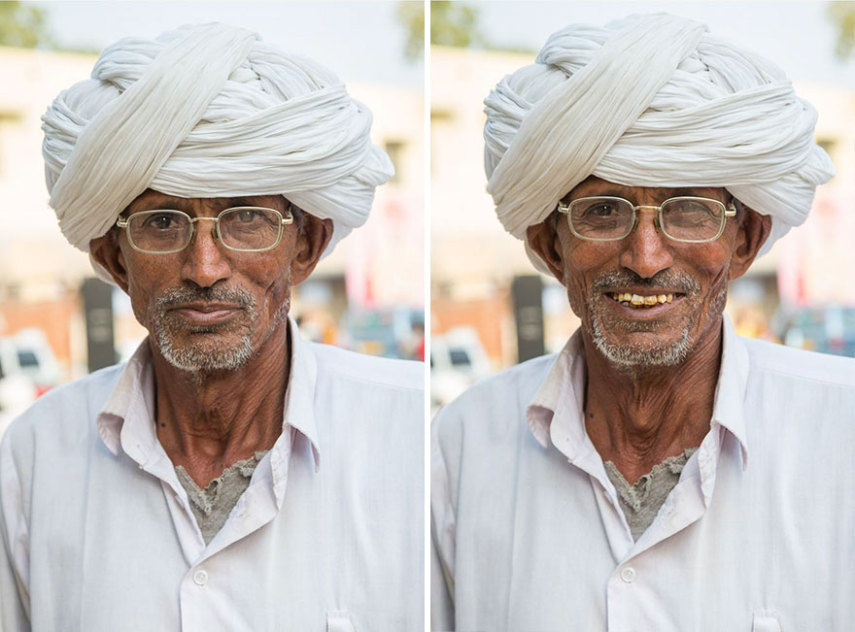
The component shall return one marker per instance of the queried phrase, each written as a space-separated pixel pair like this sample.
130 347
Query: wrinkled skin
219 334
643 363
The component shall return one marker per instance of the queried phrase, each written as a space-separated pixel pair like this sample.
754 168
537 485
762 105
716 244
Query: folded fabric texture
208 111
656 101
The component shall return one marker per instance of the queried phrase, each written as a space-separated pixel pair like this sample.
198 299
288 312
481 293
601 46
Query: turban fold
651 101
208 111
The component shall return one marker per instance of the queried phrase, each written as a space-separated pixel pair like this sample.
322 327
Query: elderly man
229 476
659 473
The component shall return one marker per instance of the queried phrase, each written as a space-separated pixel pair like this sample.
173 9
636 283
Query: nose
205 262
646 251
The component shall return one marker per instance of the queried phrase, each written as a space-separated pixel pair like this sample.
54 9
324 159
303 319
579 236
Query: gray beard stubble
655 355
204 357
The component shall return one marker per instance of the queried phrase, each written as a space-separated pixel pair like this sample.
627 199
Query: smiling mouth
628 299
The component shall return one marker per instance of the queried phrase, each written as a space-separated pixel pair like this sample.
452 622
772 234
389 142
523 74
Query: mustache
180 295
678 281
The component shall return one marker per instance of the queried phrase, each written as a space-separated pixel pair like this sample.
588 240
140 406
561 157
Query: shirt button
200 577
628 574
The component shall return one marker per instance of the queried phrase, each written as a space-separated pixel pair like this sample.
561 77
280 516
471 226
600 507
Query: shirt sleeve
14 554
443 521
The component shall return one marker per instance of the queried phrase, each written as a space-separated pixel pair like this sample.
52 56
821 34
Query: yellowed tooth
636 300
669 297
650 300
661 298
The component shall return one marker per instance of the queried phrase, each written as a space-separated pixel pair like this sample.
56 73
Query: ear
106 251
543 239
753 232
312 240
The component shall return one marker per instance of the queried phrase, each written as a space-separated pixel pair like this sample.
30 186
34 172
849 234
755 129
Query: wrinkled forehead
592 185
151 199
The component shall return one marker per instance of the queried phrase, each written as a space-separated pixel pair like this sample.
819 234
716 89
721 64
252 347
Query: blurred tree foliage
451 24
843 16
23 25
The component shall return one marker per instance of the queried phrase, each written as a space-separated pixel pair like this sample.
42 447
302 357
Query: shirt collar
728 408
126 420
563 391
300 395
561 397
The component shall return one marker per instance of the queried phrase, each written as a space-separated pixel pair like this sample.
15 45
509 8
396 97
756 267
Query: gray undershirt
641 502
211 506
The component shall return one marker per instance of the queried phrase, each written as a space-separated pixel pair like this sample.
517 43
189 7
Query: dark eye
603 209
248 216
599 209
249 219
160 221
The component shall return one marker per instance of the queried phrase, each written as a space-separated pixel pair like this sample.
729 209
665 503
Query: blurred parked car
17 392
28 353
393 333
827 329
457 359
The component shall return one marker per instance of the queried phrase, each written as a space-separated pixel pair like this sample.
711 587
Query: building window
828 145
395 149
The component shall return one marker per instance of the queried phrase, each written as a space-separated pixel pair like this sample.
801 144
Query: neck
207 421
638 417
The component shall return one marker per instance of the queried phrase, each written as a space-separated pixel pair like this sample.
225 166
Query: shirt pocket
339 622
766 621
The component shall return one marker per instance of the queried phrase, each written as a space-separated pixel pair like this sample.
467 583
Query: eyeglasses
240 228
692 220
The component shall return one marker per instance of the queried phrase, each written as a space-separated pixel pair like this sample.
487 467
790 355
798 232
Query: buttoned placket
257 506
131 415
562 410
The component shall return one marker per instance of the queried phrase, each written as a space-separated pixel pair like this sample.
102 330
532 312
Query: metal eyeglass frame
124 222
729 209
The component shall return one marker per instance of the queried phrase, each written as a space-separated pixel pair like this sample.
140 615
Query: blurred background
490 309
57 322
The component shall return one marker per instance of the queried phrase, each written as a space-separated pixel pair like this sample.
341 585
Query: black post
98 307
528 315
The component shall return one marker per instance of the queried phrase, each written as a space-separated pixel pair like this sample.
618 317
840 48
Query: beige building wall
35 260
473 259
381 264
470 252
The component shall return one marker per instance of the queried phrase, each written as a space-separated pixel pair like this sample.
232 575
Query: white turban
649 101
208 111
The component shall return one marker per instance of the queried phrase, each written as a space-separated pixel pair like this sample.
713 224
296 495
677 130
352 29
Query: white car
457 359
28 353
28 368
17 392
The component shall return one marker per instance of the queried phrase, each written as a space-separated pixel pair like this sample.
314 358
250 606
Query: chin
654 352
196 359
204 351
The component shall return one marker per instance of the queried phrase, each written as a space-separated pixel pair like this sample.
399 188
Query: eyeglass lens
240 228
683 219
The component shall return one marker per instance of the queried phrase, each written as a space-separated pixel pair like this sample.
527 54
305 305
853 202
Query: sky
796 35
363 41
360 41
